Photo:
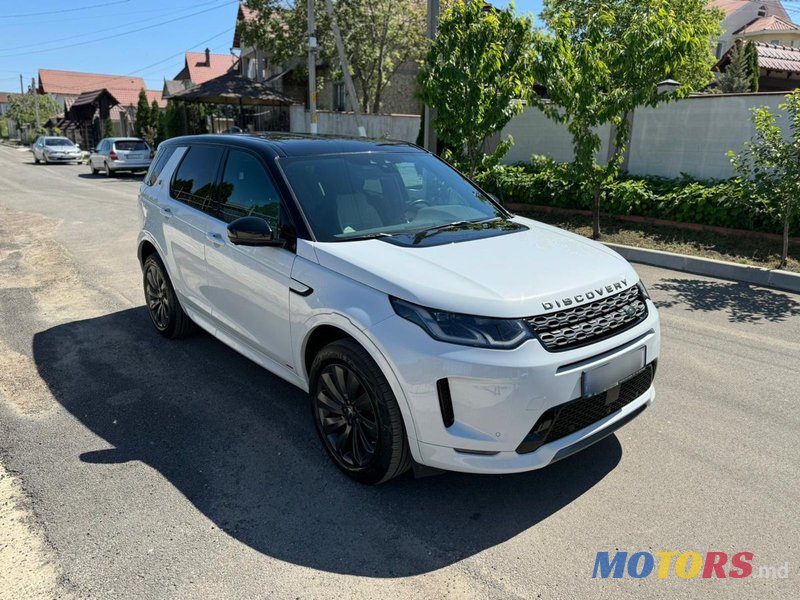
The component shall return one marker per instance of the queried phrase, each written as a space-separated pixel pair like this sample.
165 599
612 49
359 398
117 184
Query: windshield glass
130 145
57 142
349 196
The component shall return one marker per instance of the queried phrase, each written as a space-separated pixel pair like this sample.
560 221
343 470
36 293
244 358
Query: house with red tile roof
743 14
202 66
777 39
68 85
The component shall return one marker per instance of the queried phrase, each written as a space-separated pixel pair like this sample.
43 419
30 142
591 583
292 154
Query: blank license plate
603 378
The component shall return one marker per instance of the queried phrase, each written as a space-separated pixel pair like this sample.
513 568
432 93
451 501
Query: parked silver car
54 148
114 155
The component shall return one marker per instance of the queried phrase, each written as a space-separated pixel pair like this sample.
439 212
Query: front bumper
498 395
63 157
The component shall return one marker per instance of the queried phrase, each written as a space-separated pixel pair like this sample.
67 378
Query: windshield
57 142
349 196
130 145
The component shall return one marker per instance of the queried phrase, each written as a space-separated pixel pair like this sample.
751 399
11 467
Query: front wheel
108 171
165 310
356 414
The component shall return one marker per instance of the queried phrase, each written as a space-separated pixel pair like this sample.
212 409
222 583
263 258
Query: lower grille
567 418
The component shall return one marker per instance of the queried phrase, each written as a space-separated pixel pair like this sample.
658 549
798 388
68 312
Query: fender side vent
445 402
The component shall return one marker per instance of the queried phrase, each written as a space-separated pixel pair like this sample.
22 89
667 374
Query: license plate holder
607 376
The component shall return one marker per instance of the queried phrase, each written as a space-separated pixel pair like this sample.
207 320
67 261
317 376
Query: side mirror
252 231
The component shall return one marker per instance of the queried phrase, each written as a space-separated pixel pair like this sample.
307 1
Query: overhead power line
64 10
153 17
123 33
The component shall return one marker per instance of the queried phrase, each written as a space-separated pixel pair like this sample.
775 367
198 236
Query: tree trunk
785 248
596 211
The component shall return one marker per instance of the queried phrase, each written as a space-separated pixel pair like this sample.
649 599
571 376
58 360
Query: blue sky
53 34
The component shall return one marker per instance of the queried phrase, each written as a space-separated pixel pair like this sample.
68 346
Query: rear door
132 151
248 287
186 225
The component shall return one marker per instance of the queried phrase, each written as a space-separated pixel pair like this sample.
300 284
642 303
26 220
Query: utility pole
21 87
430 113
35 100
348 81
312 68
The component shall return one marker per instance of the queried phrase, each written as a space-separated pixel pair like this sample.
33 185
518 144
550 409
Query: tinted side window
164 154
246 189
196 176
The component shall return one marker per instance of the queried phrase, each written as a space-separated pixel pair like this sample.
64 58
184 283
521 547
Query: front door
248 287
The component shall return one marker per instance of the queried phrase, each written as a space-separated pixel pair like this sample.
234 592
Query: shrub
4 129
721 203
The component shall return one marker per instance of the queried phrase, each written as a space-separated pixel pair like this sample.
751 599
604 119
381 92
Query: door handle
215 238
166 212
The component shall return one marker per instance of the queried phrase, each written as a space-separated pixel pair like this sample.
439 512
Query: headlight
466 330
643 289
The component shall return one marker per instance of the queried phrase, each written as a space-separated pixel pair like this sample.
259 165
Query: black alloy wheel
347 416
356 414
163 306
158 300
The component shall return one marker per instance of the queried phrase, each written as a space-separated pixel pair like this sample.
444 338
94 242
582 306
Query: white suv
428 324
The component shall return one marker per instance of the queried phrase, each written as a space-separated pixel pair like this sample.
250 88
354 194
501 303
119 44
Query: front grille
589 323
564 419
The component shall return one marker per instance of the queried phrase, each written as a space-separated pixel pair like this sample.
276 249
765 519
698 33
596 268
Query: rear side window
130 145
163 156
246 189
194 181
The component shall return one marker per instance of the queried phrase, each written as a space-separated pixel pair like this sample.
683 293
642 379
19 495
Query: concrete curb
772 278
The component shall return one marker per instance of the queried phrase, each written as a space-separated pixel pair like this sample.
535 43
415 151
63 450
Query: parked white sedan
49 149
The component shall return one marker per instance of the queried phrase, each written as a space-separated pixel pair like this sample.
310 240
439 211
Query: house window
762 12
775 42
339 97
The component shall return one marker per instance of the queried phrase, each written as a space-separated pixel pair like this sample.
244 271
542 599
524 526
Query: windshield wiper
426 233
367 236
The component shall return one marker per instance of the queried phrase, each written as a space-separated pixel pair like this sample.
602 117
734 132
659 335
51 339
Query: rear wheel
163 306
92 169
356 414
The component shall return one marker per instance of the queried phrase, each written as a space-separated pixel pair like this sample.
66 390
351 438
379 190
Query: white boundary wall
395 127
691 136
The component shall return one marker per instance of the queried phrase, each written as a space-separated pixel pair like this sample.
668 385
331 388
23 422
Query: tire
163 306
108 171
349 393
36 160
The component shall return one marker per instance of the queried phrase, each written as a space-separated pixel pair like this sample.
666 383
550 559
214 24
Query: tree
155 124
753 67
379 37
768 167
22 108
108 128
476 74
173 120
737 78
142 120
601 59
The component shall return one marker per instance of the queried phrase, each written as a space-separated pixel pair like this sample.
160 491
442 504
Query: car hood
515 275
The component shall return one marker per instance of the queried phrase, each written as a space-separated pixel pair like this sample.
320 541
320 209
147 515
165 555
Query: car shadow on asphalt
115 177
240 445
742 302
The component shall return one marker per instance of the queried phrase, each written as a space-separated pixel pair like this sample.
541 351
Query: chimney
208 57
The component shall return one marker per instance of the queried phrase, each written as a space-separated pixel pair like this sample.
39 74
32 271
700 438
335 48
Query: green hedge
721 203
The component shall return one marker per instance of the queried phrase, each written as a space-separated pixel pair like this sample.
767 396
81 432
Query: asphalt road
135 467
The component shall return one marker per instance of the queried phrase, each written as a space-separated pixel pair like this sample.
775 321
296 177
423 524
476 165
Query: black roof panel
297 144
